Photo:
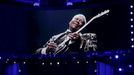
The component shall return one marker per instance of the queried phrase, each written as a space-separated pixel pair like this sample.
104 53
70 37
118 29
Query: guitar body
62 47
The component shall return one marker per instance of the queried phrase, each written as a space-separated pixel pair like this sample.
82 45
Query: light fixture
131 13
42 63
131 6
116 56
78 62
120 69
51 63
87 62
58 63
24 62
132 26
132 46
132 32
131 19
130 66
132 39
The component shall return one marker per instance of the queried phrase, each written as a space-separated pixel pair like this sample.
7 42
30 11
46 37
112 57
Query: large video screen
112 30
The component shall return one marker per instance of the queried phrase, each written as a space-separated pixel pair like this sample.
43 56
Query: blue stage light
120 69
116 56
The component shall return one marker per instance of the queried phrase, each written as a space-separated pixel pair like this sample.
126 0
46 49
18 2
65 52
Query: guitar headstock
101 14
97 16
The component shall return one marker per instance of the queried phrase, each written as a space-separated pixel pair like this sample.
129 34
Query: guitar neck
97 16
85 25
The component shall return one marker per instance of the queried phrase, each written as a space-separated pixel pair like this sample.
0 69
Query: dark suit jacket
87 42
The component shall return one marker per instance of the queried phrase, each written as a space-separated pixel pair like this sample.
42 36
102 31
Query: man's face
76 23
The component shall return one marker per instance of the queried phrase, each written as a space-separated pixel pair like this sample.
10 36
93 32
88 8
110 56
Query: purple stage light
36 4
130 66
19 70
69 3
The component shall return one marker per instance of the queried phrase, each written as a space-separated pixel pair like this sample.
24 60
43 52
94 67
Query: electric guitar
63 45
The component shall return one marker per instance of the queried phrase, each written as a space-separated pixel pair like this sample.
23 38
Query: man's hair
84 18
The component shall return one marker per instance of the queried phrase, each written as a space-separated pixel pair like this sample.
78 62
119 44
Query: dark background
25 28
